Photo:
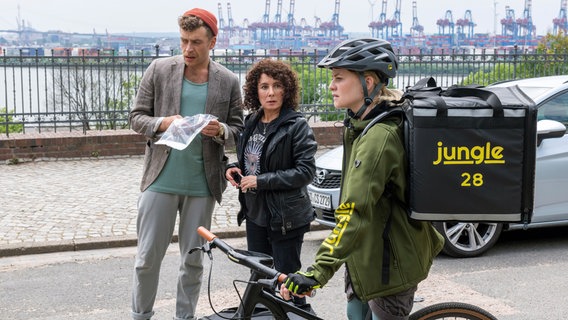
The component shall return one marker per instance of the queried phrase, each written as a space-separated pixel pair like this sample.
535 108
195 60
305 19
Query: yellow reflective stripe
343 215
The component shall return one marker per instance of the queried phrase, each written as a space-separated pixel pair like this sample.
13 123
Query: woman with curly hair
275 164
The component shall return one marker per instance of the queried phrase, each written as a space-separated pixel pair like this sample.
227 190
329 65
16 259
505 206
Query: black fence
94 90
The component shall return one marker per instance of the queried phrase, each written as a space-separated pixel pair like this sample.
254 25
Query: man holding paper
187 181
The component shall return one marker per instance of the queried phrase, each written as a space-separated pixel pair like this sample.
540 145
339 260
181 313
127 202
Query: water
34 94
21 88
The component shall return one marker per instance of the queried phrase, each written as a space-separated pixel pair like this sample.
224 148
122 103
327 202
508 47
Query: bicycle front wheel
452 310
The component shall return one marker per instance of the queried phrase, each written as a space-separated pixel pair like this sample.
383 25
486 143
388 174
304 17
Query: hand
285 293
233 175
212 129
167 121
248 183
301 282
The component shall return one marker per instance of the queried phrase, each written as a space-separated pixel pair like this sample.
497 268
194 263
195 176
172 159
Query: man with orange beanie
185 182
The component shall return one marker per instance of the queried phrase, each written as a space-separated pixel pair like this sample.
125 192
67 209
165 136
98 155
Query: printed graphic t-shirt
252 154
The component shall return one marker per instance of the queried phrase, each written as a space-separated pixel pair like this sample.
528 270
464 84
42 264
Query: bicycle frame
260 301
260 289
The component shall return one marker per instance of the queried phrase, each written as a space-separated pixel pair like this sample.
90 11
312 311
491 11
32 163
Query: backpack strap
425 87
381 116
388 193
426 82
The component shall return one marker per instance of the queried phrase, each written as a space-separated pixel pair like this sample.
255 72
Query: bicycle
260 300
451 310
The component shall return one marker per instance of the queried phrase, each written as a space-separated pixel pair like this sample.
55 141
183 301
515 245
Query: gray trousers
157 213
394 307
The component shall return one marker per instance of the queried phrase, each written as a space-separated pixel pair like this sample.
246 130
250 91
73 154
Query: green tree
316 97
554 49
95 94
500 72
117 109
7 122
553 43
550 59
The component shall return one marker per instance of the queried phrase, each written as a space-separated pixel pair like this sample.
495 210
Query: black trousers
285 249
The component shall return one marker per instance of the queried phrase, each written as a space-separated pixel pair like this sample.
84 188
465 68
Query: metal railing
95 90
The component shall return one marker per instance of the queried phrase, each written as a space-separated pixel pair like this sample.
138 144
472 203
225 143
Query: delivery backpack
470 150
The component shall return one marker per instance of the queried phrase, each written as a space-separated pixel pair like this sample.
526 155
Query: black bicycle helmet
364 54
360 55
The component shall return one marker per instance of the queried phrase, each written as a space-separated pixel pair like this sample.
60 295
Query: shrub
7 122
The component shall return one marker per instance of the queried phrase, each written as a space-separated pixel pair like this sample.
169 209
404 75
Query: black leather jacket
287 166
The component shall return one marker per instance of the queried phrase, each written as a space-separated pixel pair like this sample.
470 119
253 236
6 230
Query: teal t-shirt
184 172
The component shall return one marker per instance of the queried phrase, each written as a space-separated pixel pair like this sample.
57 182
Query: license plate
320 200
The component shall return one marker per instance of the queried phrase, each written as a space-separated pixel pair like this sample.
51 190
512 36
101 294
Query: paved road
522 278
62 205
80 204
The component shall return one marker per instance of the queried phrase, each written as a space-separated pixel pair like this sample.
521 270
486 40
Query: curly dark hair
277 70
191 23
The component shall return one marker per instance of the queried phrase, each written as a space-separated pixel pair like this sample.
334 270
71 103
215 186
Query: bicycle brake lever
205 248
195 249
268 283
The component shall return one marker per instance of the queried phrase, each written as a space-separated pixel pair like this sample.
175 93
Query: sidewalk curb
109 242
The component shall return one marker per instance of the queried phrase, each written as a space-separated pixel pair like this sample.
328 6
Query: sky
127 16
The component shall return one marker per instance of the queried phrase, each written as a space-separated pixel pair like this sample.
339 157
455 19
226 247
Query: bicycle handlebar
239 257
206 234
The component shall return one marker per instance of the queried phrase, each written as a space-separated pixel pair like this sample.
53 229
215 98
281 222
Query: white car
467 239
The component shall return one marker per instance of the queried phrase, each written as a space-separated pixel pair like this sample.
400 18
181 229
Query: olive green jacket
371 162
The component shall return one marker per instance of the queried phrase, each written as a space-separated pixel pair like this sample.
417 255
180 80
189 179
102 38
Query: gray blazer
159 95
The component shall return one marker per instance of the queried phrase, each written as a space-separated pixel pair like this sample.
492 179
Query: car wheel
468 239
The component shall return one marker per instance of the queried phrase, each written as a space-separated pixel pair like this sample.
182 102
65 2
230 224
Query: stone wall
64 145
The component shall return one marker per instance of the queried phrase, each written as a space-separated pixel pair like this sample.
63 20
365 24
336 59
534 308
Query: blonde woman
386 254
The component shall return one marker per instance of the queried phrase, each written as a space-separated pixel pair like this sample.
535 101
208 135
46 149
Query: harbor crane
525 24
446 22
560 22
333 29
509 23
378 27
416 29
291 30
395 24
466 25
